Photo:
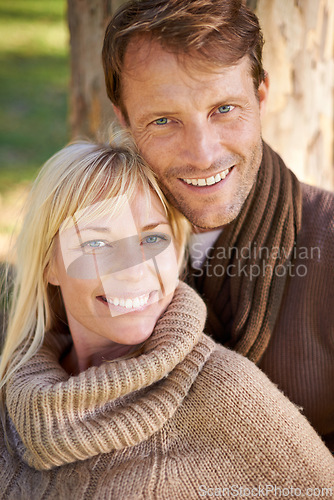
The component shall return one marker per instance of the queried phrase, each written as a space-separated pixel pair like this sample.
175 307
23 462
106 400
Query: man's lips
208 181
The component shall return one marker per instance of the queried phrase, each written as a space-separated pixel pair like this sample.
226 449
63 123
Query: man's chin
214 214
214 219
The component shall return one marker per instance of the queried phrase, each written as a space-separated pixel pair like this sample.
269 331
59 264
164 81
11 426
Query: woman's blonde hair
74 178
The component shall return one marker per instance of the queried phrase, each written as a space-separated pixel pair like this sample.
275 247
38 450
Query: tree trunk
90 109
299 57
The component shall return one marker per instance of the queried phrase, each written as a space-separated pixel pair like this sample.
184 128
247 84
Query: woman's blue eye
161 121
151 239
94 244
224 109
154 238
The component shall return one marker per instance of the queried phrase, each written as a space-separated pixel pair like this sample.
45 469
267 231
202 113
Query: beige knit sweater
184 416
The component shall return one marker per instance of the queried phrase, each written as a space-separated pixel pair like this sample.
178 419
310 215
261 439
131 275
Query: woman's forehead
142 210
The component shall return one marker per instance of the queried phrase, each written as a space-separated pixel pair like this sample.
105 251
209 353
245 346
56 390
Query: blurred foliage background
34 80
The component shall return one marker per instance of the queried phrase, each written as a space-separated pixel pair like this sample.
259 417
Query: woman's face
117 274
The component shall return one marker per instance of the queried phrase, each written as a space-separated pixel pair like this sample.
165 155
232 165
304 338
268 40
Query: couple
110 388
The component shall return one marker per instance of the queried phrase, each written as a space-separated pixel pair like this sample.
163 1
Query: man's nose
201 145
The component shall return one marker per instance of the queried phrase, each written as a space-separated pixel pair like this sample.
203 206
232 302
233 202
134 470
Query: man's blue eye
224 109
161 121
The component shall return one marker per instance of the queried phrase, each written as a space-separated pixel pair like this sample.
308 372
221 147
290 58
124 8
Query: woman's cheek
167 266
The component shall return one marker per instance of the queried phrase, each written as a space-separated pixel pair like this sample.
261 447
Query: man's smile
209 181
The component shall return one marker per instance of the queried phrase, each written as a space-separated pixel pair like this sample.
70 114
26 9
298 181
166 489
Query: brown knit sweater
295 347
300 355
184 416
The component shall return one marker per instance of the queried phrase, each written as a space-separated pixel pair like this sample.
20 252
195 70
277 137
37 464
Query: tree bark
90 109
299 57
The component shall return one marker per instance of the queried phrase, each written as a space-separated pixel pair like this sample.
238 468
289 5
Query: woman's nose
133 274
129 263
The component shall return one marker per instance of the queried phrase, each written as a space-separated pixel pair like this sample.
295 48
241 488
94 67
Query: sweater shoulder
238 395
236 381
227 367
317 229
318 210
232 376
316 197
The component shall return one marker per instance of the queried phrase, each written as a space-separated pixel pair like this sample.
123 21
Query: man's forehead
139 50
144 51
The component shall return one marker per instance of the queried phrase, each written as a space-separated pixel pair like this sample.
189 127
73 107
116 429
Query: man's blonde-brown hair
214 32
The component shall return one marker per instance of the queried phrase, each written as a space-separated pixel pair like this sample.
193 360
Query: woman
110 389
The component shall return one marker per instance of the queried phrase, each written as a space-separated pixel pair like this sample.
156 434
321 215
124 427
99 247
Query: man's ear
120 116
263 92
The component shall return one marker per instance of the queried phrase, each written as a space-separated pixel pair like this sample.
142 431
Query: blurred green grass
34 76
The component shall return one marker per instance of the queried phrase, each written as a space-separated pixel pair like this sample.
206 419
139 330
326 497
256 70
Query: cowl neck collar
61 419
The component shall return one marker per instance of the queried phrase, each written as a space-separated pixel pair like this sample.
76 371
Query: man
186 78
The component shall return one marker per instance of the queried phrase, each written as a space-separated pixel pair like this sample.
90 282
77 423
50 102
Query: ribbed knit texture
87 397
184 413
289 325
244 308
300 355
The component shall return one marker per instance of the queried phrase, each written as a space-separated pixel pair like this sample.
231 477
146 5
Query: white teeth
128 303
209 181
136 302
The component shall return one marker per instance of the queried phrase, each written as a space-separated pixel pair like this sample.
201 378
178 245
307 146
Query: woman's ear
51 274
51 271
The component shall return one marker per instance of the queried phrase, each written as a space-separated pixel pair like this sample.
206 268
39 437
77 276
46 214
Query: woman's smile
127 303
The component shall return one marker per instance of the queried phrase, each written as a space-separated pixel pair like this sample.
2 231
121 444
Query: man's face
198 128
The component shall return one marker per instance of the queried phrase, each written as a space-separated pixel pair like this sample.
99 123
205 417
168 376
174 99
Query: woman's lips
128 303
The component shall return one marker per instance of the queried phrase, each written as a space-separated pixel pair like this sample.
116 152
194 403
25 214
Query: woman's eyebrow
103 229
95 228
153 225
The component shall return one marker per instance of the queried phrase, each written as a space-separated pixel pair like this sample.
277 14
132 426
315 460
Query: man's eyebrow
155 115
